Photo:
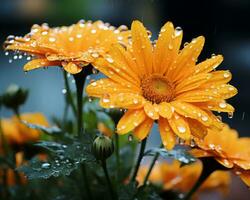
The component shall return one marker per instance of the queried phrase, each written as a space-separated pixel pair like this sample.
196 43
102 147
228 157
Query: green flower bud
14 96
103 147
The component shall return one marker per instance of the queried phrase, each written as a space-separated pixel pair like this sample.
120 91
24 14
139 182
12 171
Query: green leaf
178 154
54 130
62 159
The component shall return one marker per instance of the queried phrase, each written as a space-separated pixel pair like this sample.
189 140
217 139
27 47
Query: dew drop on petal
222 105
110 60
226 75
204 118
181 129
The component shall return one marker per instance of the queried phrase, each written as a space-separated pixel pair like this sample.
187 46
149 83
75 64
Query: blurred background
224 23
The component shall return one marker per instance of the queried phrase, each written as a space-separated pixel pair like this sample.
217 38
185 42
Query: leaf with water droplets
178 154
62 159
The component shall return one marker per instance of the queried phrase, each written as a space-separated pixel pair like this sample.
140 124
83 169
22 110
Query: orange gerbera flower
229 150
70 47
15 132
174 177
160 82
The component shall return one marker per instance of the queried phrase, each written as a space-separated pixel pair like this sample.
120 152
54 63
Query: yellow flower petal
186 59
71 68
163 56
192 82
245 177
106 86
122 100
144 128
197 129
188 110
165 110
180 126
151 110
209 64
167 135
130 120
142 48
38 63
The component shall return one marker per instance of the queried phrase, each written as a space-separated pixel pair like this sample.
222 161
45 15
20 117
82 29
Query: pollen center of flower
156 88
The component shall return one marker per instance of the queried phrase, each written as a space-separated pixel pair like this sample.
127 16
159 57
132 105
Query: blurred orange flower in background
11 177
15 132
174 177
71 47
228 149
161 82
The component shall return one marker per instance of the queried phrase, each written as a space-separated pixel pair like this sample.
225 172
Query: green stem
111 190
151 168
117 153
85 179
69 98
80 80
209 166
140 156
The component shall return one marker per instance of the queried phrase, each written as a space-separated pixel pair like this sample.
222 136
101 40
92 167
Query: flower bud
103 147
14 96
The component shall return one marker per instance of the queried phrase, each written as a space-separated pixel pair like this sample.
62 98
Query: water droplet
64 91
28 58
243 116
130 138
52 39
95 71
178 31
15 57
45 165
192 143
212 146
230 115
109 59
226 75
93 31
170 46
10 60
105 100
95 55
6 53
204 118
181 129
222 105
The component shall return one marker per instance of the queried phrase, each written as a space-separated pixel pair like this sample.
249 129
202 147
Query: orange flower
71 47
228 149
161 82
16 132
11 178
174 177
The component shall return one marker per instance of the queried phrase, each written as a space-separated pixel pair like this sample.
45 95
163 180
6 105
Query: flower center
156 88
